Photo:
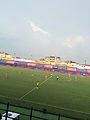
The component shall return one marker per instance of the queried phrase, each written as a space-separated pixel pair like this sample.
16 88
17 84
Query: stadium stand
53 68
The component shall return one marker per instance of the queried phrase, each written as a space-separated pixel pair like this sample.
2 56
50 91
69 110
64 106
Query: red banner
10 62
88 70
48 66
70 68
31 64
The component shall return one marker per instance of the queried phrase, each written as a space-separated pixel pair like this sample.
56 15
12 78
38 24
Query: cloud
71 42
36 28
68 44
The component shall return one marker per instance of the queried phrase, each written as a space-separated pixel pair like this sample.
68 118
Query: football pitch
69 95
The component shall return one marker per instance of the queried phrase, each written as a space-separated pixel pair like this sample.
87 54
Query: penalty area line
33 89
14 98
63 108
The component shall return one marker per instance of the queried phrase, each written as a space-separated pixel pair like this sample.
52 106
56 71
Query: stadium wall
52 68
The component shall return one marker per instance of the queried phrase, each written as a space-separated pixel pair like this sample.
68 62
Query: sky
40 28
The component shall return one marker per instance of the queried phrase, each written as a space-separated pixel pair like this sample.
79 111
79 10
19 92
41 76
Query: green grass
70 95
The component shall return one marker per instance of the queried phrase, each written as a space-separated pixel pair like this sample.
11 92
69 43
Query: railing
31 113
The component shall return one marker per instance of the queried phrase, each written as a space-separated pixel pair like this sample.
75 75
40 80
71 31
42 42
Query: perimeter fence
13 112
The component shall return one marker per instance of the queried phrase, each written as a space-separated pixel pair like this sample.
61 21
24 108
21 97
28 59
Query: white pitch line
33 89
68 109
9 97
47 104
